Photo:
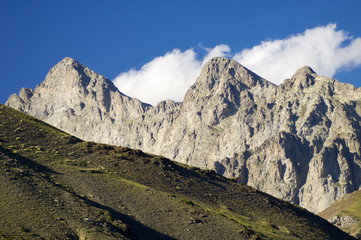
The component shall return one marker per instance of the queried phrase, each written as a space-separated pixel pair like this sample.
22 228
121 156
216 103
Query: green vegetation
55 186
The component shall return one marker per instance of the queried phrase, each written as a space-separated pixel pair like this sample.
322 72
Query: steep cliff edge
299 141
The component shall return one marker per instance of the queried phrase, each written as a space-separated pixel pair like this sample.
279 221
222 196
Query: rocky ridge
299 141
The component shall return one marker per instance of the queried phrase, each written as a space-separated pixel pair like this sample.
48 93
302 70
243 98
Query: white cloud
323 48
320 48
166 77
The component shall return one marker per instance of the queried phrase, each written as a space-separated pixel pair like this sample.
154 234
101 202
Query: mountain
55 186
345 214
299 141
75 94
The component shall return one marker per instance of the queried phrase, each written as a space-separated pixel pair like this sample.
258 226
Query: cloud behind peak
324 48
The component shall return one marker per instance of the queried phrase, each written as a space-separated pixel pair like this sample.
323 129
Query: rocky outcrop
299 141
343 222
348 224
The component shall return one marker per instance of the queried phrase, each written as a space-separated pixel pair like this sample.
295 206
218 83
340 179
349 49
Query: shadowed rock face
299 141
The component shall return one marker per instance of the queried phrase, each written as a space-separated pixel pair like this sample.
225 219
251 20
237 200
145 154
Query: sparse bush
72 139
19 129
24 229
38 148
188 202
95 171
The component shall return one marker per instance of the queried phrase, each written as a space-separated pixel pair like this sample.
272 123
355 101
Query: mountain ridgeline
299 141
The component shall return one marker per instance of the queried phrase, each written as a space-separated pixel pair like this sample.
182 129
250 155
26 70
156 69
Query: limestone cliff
299 141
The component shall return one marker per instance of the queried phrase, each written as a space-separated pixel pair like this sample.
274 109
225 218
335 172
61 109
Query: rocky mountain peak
71 74
302 79
68 61
299 141
304 71
216 92
229 71
71 92
223 78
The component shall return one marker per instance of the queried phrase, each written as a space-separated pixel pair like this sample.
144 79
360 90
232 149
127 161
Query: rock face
300 141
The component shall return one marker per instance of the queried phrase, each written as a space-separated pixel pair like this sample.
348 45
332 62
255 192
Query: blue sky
113 37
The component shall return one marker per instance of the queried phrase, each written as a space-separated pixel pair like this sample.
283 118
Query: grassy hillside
346 213
55 186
